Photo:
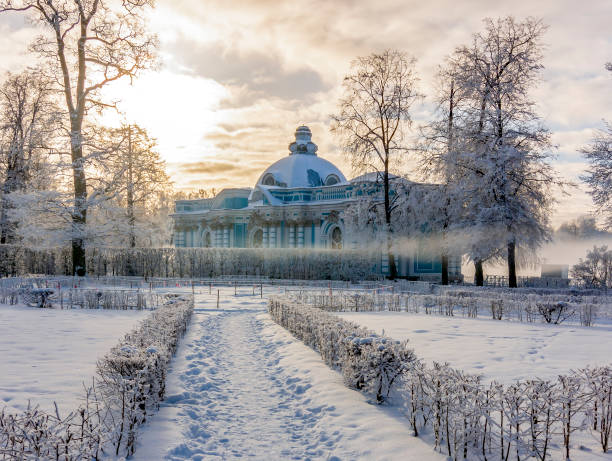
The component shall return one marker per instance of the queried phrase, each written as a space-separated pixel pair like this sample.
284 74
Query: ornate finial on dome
302 144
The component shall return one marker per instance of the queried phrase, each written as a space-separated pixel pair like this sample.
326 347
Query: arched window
268 180
331 180
258 239
336 239
207 241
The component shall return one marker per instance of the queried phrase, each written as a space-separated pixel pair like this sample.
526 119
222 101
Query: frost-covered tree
373 118
140 183
438 159
511 148
599 173
595 271
581 228
27 127
446 148
86 44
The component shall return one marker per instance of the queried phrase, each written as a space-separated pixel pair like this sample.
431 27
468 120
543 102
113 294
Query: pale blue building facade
297 202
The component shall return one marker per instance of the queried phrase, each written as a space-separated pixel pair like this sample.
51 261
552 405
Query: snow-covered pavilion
298 202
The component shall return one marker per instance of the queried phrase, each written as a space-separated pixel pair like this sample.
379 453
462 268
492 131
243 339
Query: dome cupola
302 167
303 143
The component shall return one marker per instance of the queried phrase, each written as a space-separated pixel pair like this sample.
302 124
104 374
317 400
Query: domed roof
302 167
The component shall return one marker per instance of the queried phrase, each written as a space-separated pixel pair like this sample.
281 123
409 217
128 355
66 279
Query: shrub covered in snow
128 386
467 418
368 362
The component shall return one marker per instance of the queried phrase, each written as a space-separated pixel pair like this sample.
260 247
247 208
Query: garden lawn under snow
47 354
498 350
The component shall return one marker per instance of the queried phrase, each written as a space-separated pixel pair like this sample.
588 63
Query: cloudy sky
237 77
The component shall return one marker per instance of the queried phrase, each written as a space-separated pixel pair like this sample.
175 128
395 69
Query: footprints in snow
239 401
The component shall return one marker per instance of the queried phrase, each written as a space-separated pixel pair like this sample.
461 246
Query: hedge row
287 263
466 418
128 386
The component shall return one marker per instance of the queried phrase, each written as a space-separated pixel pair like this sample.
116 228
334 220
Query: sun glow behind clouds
238 77
176 108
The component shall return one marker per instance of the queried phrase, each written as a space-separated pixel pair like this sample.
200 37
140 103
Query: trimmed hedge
287 263
467 418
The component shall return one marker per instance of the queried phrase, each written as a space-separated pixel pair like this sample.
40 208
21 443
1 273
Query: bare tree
27 124
88 44
599 174
373 118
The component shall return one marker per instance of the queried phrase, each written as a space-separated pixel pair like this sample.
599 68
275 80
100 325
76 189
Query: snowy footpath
241 386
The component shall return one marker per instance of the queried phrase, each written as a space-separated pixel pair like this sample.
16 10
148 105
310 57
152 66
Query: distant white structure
297 202
559 271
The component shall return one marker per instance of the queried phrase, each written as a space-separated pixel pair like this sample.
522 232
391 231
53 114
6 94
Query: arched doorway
336 238
257 241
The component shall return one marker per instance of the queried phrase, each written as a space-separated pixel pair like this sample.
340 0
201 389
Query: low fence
467 419
128 386
54 294
465 302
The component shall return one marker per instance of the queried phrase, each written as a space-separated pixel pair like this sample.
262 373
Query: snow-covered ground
500 350
47 354
242 386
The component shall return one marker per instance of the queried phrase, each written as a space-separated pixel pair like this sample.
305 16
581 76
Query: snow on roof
302 167
300 170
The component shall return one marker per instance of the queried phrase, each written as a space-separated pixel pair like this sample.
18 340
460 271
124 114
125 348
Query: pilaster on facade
219 237
272 230
266 236
292 239
226 238
300 236
316 229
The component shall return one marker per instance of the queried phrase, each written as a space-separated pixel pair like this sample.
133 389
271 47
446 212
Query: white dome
302 167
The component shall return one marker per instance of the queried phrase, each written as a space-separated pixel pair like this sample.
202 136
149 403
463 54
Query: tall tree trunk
512 264
77 113
391 258
79 213
451 112
478 273
130 191
444 269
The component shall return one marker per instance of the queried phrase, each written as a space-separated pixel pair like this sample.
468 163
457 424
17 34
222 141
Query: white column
279 236
272 236
218 238
292 236
317 231
300 236
266 236
226 242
